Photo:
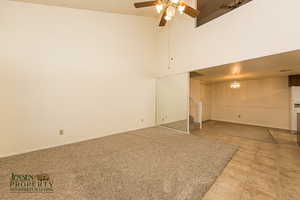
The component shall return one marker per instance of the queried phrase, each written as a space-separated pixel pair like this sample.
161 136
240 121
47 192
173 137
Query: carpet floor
237 130
149 164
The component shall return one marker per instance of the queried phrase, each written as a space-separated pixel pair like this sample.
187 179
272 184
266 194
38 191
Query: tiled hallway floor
259 171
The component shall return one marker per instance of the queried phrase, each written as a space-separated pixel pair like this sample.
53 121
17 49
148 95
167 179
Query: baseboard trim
73 142
251 124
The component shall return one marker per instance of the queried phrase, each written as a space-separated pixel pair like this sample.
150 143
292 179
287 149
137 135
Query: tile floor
259 171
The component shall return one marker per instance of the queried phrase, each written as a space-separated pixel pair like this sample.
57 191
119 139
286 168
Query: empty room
149 100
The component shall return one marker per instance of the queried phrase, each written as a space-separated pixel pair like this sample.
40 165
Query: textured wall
263 102
86 72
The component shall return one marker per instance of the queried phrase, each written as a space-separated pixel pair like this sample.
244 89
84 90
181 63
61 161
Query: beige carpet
237 130
149 164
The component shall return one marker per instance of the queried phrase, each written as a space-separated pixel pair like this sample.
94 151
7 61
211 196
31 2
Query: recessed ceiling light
286 70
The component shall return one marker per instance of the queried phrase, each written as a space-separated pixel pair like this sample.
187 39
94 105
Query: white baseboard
252 124
72 142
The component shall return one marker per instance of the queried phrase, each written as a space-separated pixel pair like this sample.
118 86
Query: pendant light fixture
235 85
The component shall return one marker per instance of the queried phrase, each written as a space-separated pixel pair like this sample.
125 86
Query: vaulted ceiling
210 9
114 6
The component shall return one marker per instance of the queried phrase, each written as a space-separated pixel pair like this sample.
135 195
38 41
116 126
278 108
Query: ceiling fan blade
163 21
145 4
191 11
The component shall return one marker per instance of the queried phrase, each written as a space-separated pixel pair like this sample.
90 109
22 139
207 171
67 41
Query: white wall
205 97
195 97
86 72
259 28
262 102
172 98
200 92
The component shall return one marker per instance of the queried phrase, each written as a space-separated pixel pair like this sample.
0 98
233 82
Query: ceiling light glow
181 9
175 1
168 18
171 11
159 7
235 85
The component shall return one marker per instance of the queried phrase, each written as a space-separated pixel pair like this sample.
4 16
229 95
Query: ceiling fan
168 7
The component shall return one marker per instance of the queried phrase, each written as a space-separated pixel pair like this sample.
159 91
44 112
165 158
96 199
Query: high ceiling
210 9
114 6
269 66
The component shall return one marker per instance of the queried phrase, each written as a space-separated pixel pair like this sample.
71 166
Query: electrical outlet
163 117
61 132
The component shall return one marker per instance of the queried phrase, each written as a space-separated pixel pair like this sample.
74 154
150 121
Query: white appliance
295 106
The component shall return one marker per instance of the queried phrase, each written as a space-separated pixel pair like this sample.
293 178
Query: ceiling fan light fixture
159 7
168 18
171 11
175 1
181 8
